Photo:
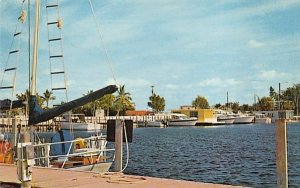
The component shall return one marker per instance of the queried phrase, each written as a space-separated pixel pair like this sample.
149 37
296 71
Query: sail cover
37 115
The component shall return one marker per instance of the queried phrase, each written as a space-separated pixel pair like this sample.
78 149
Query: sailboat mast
35 48
227 105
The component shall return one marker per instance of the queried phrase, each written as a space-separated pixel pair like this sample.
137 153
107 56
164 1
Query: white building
276 114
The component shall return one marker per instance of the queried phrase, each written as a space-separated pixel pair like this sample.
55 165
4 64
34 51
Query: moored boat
77 122
156 123
181 120
243 119
262 118
225 119
84 154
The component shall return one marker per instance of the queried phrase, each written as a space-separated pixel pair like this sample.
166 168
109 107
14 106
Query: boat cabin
74 118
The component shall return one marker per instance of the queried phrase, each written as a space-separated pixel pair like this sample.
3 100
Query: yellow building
203 115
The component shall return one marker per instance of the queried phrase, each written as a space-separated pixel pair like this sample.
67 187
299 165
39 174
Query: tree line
287 99
111 104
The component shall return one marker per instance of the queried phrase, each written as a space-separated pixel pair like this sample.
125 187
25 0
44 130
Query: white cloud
128 82
172 86
272 74
210 82
261 9
258 66
255 44
110 81
218 82
231 81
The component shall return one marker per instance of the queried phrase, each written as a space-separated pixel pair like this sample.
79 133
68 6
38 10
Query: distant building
138 113
100 113
187 107
277 114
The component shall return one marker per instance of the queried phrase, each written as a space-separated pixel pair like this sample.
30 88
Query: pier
53 125
47 177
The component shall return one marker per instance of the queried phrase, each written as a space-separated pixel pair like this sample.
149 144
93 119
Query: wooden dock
46 177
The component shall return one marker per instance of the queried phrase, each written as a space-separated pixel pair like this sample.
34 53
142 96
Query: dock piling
281 154
119 145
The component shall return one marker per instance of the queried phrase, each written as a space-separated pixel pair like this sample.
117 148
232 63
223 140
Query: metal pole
281 154
279 97
118 145
297 106
227 105
15 131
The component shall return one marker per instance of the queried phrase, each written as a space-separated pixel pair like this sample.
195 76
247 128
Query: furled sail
37 115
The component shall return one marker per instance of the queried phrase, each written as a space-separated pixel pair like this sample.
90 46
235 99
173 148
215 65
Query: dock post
119 145
14 139
281 154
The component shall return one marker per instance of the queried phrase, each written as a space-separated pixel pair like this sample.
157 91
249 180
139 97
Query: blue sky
184 48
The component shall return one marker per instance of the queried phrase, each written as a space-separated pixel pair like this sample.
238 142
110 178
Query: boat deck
46 177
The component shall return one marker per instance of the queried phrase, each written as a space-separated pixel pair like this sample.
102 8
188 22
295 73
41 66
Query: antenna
152 91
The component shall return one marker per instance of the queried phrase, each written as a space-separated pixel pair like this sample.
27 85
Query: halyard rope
102 43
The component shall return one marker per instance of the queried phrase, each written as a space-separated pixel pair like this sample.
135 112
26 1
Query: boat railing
96 147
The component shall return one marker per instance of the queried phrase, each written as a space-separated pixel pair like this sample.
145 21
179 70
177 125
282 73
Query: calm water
236 155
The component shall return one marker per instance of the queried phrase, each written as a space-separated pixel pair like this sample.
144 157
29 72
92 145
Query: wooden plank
68 164
87 160
47 177
281 154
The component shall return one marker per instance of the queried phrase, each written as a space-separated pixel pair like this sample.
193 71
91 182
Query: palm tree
88 108
48 96
106 102
123 100
23 96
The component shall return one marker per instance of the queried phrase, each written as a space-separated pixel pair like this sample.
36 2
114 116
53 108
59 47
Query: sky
183 48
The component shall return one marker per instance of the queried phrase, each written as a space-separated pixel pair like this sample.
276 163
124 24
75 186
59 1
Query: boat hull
97 168
204 124
243 120
265 120
154 124
177 123
226 121
80 126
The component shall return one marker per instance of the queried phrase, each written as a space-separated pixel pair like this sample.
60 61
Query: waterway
242 155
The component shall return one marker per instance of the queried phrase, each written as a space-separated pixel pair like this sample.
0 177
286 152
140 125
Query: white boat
181 120
225 119
295 119
262 118
81 154
77 122
154 124
243 119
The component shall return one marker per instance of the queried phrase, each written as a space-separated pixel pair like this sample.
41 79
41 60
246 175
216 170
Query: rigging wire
102 43
29 73
127 147
19 27
113 74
